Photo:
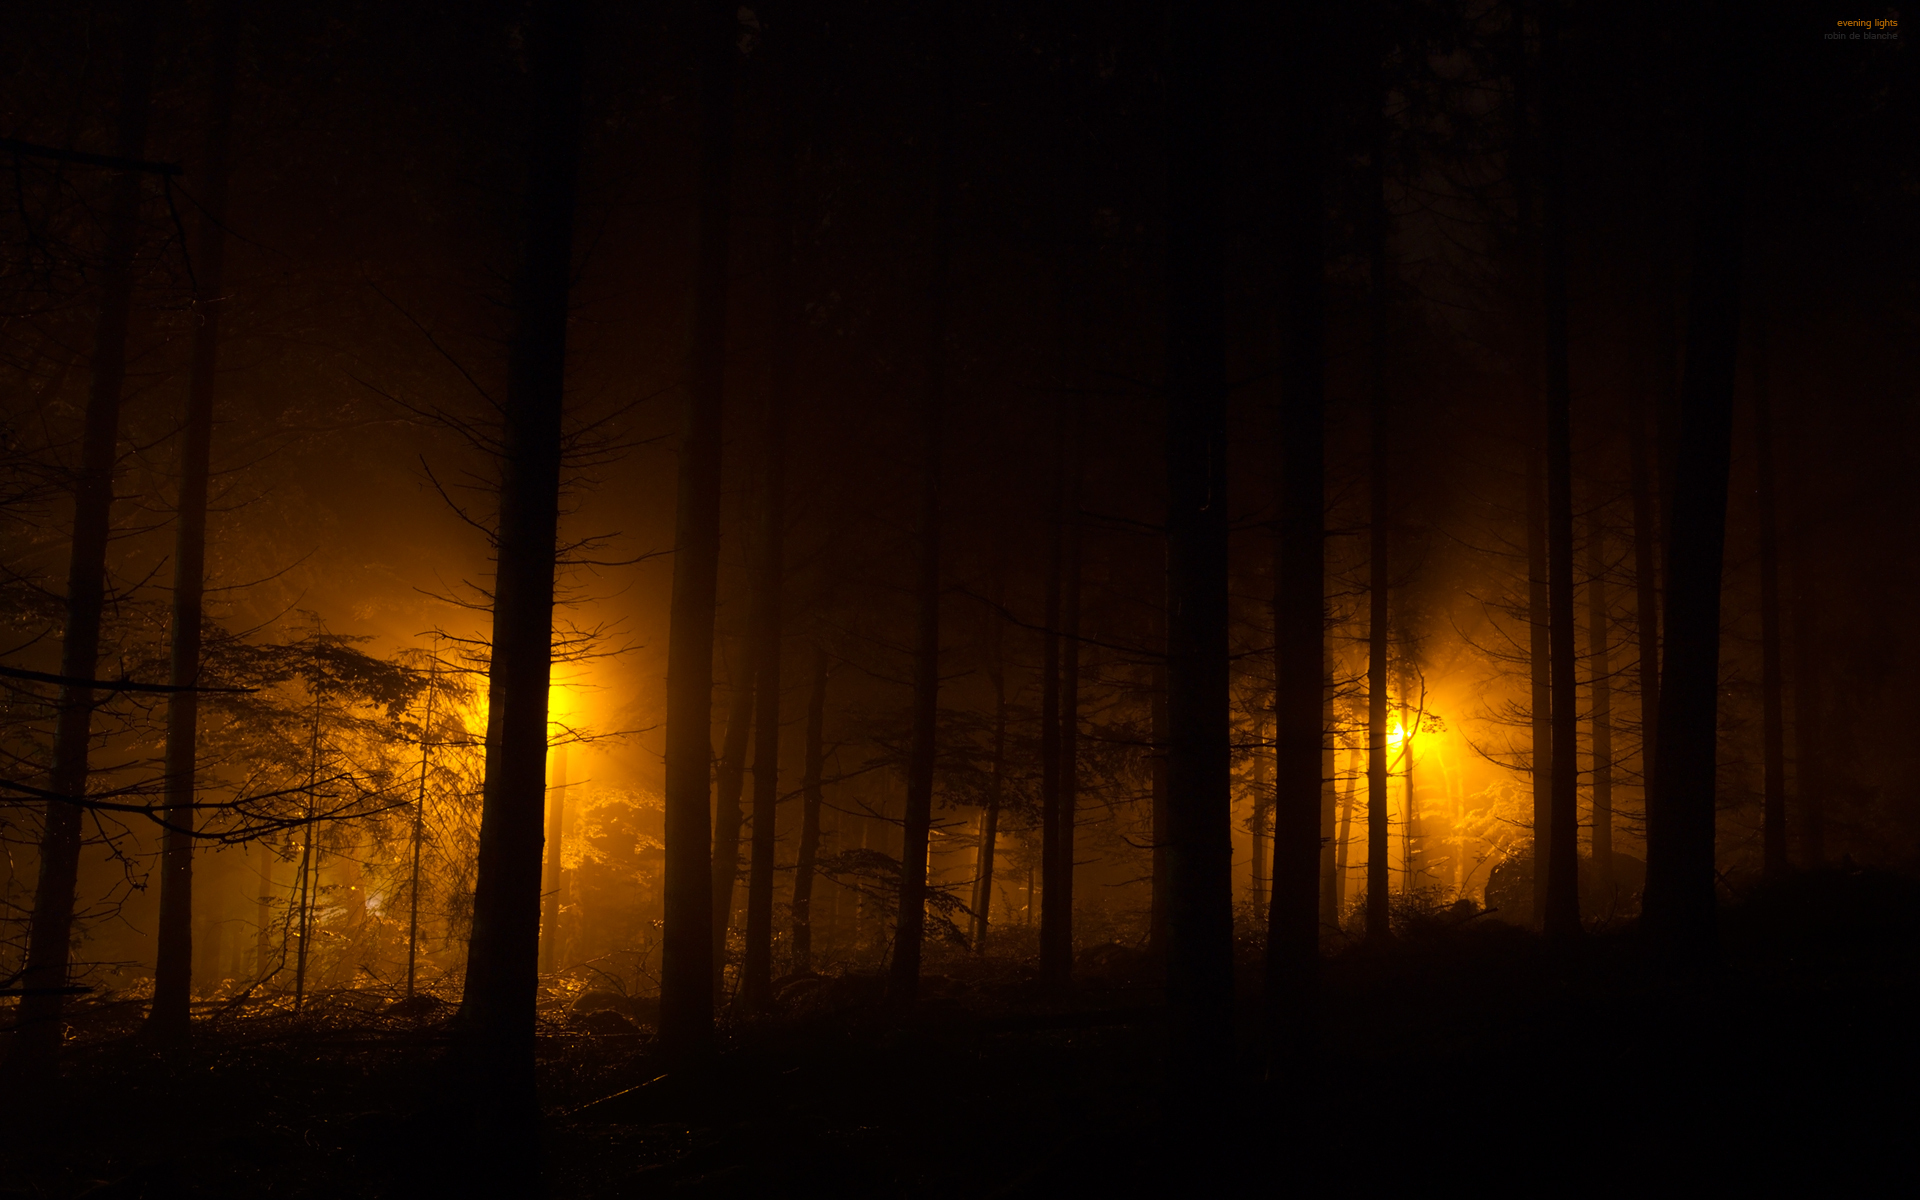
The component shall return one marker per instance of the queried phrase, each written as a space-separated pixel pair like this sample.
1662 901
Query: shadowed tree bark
1329 906
1379 525
1157 910
1539 661
1646 559
1561 917
173 962
757 973
1808 744
38 1029
730 777
756 977
687 962
1299 593
810 791
503 949
1199 732
904 979
996 783
1599 653
1056 916
1679 912
552 881
1772 685
1052 891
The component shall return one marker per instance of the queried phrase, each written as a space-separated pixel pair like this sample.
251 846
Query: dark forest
956 599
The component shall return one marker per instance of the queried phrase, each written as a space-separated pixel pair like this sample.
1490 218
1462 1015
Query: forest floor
1468 1054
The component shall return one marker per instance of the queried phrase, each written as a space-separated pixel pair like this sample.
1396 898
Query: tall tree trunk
1299 600
1052 891
1056 919
1772 686
1540 671
730 775
687 962
904 979
996 783
1343 855
1329 808
1262 809
1379 527
173 963
756 976
1679 903
552 881
419 825
1808 745
1646 559
263 913
1599 651
1562 915
1199 726
810 792
1157 812
38 1030
308 881
503 948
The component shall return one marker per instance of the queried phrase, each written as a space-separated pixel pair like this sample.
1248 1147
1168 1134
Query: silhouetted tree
1199 728
904 980
173 962
1772 685
1599 654
1679 902
1299 585
811 799
1561 916
38 1029
503 949
686 969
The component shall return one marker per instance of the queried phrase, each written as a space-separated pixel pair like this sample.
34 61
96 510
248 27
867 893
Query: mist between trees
555 518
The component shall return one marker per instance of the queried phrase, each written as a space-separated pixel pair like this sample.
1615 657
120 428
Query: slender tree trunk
1199 727
1056 921
1540 669
38 1034
309 869
1808 744
1599 651
1409 820
810 791
1646 612
1262 809
263 911
1157 811
990 819
1562 915
757 975
1772 685
1052 890
552 884
420 825
1379 530
687 961
1343 858
904 980
503 948
1679 915
728 818
173 965
1299 601
1329 809
756 978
